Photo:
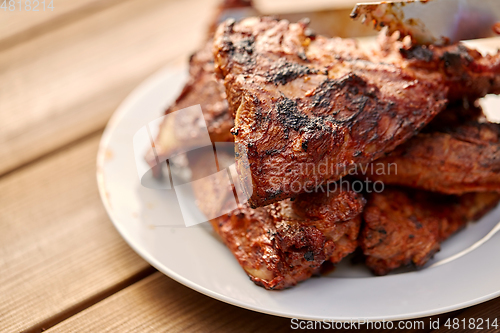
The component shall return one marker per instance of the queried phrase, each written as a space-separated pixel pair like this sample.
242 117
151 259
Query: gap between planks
159 304
59 252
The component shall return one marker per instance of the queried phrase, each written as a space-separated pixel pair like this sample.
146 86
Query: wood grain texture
57 245
61 260
24 23
159 304
65 84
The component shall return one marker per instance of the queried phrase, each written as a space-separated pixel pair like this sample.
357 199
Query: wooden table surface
63 266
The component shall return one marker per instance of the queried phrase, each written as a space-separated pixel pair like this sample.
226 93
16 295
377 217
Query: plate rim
111 126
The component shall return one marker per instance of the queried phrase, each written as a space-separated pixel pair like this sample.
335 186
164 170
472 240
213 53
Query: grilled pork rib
406 226
453 160
317 103
309 108
466 72
286 242
278 249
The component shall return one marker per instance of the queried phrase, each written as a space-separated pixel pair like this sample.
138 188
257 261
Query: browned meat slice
202 88
466 72
404 226
455 160
278 249
456 114
309 108
286 242
336 214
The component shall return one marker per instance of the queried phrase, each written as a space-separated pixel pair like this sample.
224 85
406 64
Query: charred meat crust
283 72
275 254
278 247
336 108
403 226
286 242
466 72
454 160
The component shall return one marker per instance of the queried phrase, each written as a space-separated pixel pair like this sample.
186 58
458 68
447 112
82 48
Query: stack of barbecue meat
311 115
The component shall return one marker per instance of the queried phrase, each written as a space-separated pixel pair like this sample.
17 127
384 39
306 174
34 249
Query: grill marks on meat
404 227
307 109
283 72
456 153
286 242
300 99
278 247
466 72
451 159
276 254
326 211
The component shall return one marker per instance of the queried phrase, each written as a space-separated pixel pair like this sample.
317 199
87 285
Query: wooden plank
65 84
488 310
58 249
159 304
27 19
20 24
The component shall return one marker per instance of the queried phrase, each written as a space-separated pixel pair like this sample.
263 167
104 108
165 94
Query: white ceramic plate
151 222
